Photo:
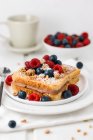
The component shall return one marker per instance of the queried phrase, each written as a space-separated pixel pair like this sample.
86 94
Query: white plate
24 50
83 85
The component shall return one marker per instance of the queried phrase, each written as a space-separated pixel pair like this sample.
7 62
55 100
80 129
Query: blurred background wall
55 15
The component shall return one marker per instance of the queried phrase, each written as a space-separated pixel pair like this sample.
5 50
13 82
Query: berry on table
49 72
58 68
45 98
79 65
8 80
53 58
22 94
33 97
12 124
74 89
66 94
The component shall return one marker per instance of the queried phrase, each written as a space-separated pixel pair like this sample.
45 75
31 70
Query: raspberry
58 68
69 38
74 89
85 34
47 38
61 46
33 97
86 42
27 64
34 63
49 42
8 80
79 44
46 57
50 63
60 36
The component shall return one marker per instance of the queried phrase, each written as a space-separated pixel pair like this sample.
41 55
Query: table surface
77 131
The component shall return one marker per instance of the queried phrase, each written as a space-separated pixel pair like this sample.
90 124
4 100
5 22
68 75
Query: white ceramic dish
23 50
83 85
68 52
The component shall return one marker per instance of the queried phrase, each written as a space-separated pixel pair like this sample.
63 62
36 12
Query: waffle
43 85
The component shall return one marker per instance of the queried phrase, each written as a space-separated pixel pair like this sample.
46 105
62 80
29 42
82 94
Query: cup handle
2 36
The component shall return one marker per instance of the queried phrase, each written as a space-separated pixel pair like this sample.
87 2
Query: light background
55 15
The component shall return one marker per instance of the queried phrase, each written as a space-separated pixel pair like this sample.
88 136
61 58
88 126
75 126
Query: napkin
26 121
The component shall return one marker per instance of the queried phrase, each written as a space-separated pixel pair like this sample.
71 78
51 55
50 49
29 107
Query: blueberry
66 94
57 42
22 94
53 58
81 38
45 98
64 41
59 62
65 34
12 124
49 72
74 35
79 65
74 42
67 46
57 33
39 71
53 38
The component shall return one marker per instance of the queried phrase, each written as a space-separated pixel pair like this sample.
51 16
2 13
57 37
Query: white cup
23 30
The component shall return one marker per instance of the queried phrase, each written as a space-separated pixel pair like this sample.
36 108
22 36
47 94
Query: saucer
24 50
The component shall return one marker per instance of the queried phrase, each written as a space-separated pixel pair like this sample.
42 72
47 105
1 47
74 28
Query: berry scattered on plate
63 40
12 124
8 80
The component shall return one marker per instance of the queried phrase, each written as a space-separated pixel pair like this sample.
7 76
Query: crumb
30 72
15 94
85 133
78 130
72 138
90 126
24 121
47 131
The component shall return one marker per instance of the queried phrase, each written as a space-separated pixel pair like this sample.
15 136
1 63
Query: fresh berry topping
69 38
59 62
53 58
49 72
46 57
27 64
79 65
22 94
74 42
33 97
45 98
39 71
35 63
81 38
74 89
85 35
57 42
8 80
60 36
79 44
67 94
67 46
50 63
64 41
12 124
86 42
58 68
